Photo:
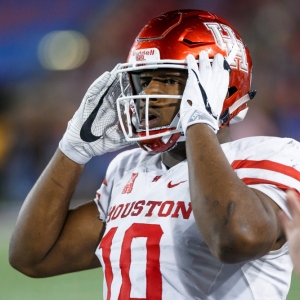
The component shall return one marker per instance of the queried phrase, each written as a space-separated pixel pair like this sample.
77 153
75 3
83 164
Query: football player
188 215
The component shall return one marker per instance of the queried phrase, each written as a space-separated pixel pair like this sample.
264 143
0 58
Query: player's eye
144 83
170 81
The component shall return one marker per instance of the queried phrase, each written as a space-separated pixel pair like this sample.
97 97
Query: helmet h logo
226 42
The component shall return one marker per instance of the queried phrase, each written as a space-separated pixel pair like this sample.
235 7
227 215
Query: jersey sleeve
103 194
271 166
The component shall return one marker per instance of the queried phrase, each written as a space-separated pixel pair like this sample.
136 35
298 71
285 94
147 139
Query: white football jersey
152 248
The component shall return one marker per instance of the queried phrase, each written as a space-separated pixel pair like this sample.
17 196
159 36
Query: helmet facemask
133 109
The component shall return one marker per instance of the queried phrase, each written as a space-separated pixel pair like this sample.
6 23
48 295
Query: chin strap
224 118
241 101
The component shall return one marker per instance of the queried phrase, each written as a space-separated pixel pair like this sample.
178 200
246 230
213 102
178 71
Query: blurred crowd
34 111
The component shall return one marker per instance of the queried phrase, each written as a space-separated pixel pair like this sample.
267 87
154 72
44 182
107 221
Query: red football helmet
165 42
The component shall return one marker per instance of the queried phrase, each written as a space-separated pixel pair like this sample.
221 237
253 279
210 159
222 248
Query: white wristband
70 152
196 116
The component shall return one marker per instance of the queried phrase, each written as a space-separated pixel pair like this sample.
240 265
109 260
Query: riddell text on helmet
143 52
140 55
149 54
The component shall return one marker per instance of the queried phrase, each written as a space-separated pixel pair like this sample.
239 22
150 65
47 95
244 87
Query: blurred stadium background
51 51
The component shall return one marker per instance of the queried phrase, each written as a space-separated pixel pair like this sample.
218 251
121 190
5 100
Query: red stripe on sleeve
265 181
104 181
266 165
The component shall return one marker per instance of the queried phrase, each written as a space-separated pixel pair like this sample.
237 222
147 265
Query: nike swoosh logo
86 130
170 185
203 93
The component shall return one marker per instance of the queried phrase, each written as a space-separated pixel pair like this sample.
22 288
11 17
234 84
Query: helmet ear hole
231 91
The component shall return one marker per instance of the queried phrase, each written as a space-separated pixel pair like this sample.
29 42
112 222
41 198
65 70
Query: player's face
161 82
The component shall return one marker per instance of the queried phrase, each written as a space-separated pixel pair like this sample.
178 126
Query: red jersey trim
266 165
104 181
283 187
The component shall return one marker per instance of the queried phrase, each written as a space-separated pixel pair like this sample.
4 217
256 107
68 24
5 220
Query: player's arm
236 222
292 228
49 239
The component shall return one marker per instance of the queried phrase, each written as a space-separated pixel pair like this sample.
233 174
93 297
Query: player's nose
155 87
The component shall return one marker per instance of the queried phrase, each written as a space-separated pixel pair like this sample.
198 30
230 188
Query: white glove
205 91
94 128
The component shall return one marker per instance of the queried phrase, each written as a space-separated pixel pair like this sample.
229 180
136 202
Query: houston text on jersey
162 209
